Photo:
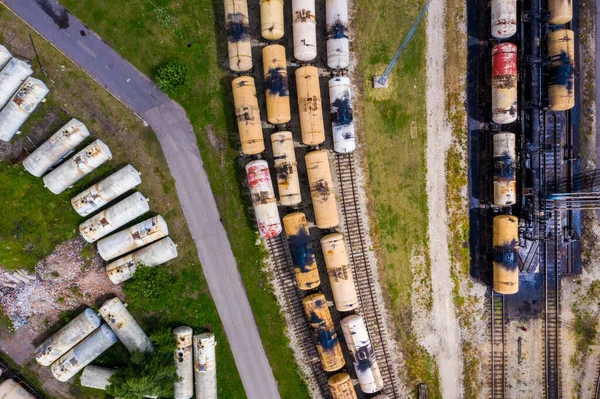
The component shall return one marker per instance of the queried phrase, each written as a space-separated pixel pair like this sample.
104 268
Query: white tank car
12 76
504 18
338 44
20 107
342 114
304 25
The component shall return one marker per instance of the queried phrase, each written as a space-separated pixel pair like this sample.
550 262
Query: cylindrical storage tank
271 19
67 337
133 238
505 263
326 339
504 18
62 143
125 327
205 366
184 362
338 44
339 272
341 386
84 353
561 48
10 389
80 165
309 105
321 189
276 80
561 11
96 377
108 189
301 249
505 160
263 198
342 115
286 170
504 83
248 115
21 105
114 217
238 35
5 56
12 76
363 354
304 25
152 255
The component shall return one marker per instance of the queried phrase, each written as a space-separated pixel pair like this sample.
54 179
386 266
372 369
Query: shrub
173 78
150 288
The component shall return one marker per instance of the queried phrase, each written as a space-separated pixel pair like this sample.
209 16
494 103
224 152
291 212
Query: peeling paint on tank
237 27
303 255
337 30
277 82
342 111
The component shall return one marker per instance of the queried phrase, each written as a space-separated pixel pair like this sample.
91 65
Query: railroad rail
345 165
279 252
498 366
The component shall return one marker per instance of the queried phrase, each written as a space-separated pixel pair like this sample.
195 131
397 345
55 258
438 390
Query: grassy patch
585 330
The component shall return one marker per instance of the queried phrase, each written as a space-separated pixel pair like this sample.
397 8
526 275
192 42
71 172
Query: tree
148 373
173 78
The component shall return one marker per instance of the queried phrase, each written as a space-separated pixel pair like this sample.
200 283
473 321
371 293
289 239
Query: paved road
176 136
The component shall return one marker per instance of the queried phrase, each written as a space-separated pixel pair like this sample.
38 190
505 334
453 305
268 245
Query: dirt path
444 341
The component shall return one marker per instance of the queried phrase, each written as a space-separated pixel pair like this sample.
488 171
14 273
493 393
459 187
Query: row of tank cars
318 168
561 93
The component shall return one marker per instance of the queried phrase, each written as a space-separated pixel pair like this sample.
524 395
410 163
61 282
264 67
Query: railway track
363 277
498 366
278 249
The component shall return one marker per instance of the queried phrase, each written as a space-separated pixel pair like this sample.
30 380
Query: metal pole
37 56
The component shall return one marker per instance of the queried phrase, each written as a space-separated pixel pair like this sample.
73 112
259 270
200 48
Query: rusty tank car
341 386
263 199
321 189
561 11
561 49
286 169
271 19
339 271
504 83
276 80
238 35
505 258
504 18
309 105
248 115
301 249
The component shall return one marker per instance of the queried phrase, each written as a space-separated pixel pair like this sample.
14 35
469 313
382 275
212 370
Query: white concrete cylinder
133 238
338 44
96 377
205 366
124 325
342 114
80 165
12 76
304 25
21 105
5 56
103 192
152 255
67 337
184 363
62 143
84 353
114 217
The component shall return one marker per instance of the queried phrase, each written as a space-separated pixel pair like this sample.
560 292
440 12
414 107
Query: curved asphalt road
176 136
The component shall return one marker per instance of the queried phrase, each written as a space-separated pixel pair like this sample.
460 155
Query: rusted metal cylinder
238 35
505 243
271 19
504 18
263 198
309 105
276 80
341 386
205 366
80 165
133 238
125 327
107 190
339 272
505 166
5 56
10 389
363 354
96 377
504 83
12 76
67 337
304 25
326 338
342 114
321 189
286 170
561 11
56 148
184 362
21 105
152 255
301 249
83 353
248 115
561 48
114 217
338 44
